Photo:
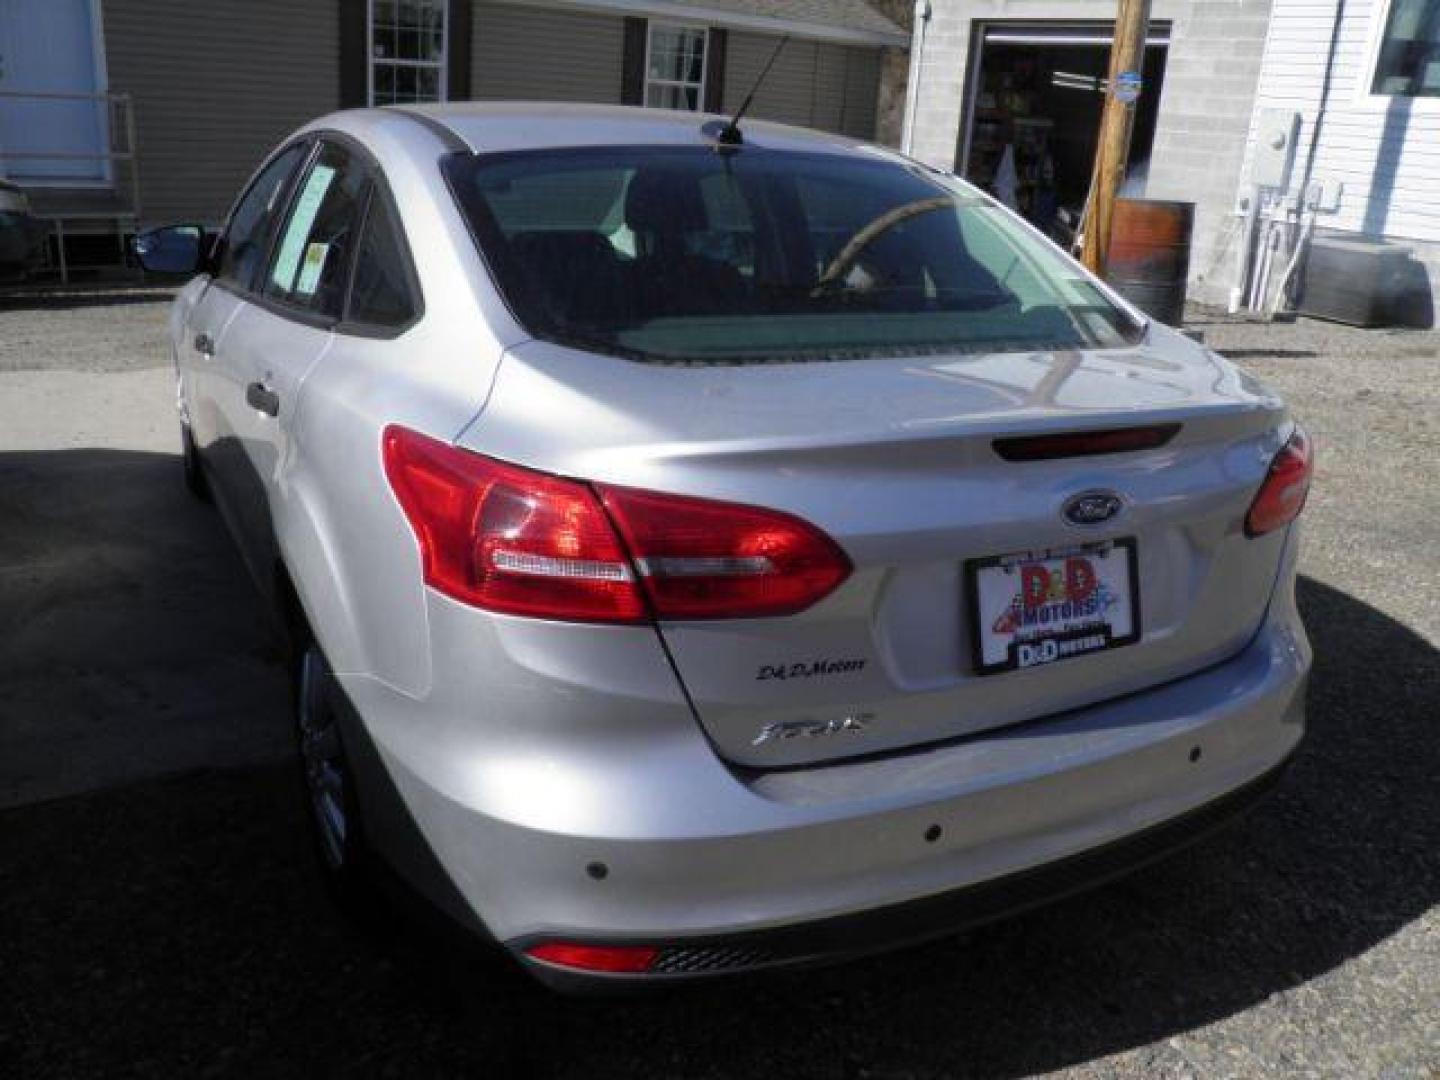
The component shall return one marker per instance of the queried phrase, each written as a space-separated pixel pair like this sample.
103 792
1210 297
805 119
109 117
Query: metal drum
1150 255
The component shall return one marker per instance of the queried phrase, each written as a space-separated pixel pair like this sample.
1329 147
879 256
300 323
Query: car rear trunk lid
896 460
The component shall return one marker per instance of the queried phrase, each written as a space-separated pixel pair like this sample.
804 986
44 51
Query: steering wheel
850 253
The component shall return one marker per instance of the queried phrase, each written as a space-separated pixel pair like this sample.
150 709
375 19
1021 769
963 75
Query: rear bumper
728 871
910 923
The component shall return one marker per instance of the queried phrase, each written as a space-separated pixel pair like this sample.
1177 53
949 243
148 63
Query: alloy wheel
323 761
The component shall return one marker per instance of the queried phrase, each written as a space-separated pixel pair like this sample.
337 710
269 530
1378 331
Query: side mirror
172 249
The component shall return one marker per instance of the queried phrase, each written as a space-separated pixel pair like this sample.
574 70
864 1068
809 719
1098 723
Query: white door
52 47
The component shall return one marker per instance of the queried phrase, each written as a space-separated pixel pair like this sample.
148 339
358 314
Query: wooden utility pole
1127 61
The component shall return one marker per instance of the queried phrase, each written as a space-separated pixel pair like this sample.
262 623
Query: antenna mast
729 135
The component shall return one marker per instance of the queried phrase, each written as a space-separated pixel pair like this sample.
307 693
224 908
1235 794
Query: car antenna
729 133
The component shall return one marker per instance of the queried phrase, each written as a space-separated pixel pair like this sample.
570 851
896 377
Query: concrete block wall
1211 76
942 62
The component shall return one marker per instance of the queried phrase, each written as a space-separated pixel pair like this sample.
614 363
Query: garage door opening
1033 115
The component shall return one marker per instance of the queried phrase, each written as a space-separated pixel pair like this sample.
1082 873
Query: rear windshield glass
686 254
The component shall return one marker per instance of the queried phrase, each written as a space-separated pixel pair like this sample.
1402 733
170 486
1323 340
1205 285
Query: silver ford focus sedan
708 551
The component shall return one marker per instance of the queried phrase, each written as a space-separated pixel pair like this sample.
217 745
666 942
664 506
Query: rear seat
578 275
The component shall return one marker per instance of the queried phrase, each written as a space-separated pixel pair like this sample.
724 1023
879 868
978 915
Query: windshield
686 254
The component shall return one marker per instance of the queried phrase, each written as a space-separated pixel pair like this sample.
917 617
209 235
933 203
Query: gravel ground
159 914
83 331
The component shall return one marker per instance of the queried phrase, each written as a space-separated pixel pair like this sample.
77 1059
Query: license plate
1035 608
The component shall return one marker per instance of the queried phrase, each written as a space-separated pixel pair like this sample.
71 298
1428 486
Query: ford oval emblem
1092 507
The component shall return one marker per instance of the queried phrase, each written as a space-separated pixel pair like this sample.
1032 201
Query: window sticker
287 262
310 269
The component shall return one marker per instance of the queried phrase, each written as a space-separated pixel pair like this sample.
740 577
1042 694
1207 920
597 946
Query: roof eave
699 13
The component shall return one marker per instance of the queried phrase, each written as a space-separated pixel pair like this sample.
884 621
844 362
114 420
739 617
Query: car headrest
664 201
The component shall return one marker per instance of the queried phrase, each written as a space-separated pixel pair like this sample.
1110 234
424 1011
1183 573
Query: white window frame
682 83
1364 97
443 64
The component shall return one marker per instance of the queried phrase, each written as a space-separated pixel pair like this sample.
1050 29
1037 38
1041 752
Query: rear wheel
329 784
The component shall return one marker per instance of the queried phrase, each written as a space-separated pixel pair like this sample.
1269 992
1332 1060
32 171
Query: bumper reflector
620 959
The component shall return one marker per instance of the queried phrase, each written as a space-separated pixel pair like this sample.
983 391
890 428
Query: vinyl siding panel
813 84
1385 151
536 54
216 84
861 90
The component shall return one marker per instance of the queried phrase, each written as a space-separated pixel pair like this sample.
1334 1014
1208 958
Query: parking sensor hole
932 834
1194 753
598 870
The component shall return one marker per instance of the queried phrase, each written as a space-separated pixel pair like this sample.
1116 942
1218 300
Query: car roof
497 126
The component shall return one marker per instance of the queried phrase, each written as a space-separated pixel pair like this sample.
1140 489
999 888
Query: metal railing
61 199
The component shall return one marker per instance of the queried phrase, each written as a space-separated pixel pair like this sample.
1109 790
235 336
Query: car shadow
176 924
132 642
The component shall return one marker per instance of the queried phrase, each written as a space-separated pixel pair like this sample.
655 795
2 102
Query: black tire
329 790
195 481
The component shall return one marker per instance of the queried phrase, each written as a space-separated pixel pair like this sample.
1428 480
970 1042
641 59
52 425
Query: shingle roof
851 14
840 19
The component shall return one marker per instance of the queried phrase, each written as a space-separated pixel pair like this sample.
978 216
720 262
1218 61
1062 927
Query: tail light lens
699 559
1282 495
508 539
522 542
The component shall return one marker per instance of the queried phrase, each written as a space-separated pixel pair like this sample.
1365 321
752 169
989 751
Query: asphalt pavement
160 914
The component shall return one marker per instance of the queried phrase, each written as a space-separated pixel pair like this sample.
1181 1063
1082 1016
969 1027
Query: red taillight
700 559
617 959
522 542
509 539
1282 496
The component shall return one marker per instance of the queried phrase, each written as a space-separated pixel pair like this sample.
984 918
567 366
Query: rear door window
313 251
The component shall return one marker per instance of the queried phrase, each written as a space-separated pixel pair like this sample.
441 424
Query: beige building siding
813 84
205 115
536 54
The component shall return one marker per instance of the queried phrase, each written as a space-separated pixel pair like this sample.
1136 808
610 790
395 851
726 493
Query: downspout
1307 230
1249 257
921 23
1324 104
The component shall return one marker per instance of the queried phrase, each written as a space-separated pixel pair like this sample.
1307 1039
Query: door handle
205 345
259 396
